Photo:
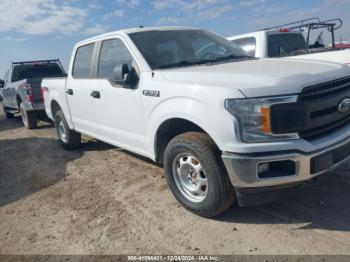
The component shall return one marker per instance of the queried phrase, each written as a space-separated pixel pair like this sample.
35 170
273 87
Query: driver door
117 109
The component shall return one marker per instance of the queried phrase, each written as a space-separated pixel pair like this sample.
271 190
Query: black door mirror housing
120 73
2 83
124 76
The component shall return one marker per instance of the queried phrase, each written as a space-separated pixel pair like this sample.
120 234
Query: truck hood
263 77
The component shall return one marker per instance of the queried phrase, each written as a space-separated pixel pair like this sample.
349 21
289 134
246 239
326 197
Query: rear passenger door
78 90
117 109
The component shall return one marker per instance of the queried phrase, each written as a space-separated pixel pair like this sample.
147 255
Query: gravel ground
103 200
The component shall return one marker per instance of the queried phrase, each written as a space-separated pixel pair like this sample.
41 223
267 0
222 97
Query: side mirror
120 73
125 77
2 83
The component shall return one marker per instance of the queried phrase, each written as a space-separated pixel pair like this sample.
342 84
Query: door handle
69 92
96 94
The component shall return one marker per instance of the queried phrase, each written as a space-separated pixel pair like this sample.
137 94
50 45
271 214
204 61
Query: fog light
277 169
264 167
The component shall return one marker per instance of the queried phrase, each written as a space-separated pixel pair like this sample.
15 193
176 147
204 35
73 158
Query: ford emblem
344 105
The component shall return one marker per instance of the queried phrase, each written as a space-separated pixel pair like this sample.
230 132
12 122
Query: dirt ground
103 200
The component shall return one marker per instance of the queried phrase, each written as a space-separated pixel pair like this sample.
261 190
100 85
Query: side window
82 61
248 44
113 53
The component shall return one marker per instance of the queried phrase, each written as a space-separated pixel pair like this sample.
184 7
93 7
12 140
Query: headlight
255 119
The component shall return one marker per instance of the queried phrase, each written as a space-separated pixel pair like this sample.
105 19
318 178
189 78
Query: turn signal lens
265 120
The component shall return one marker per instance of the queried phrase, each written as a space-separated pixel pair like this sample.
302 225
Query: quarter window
248 44
82 61
113 53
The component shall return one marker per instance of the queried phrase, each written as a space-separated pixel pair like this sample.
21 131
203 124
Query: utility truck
224 125
288 40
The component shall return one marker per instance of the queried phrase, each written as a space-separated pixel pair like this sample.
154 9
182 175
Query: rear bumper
262 173
39 106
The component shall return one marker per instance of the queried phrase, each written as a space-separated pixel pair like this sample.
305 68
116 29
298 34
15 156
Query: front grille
318 131
316 111
325 90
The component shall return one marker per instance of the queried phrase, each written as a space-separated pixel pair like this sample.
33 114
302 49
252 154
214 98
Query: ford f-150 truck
21 89
224 125
289 41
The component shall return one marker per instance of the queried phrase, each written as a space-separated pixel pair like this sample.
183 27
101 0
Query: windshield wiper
185 63
232 57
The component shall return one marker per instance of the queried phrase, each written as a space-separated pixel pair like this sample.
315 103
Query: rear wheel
69 138
8 115
28 118
196 175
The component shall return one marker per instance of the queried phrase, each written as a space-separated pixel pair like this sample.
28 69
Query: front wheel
69 138
28 118
196 175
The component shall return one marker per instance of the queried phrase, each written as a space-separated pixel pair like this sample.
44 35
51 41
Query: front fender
214 120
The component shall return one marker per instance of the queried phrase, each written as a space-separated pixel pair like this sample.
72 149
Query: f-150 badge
155 93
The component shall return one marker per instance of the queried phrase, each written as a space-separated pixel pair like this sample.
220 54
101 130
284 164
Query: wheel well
170 129
55 107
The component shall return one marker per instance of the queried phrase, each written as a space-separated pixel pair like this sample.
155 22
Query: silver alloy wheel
189 177
62 132
23 115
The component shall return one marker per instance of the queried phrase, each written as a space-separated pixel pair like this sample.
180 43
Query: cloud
214 12
129 3
167 4
15 39
250 3
194 9
40 17
95 30
116 13
168 21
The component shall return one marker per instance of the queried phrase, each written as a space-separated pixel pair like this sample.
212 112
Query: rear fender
55 96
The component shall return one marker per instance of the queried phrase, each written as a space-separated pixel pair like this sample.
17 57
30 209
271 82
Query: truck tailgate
35 85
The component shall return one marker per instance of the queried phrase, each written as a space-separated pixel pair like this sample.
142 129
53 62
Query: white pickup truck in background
224 125
288 41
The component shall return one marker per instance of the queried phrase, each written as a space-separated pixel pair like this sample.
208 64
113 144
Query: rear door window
83 61
248 44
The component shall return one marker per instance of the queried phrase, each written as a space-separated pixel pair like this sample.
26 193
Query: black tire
7 114
71 139
220 193
28 118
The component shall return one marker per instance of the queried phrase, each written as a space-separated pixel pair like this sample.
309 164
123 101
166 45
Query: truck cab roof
136 30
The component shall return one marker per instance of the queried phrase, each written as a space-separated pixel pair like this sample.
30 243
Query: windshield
285 44
176 48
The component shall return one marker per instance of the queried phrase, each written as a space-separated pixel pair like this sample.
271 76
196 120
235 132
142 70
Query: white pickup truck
286 43
225 126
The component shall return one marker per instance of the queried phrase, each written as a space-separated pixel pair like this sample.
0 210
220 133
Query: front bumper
243 169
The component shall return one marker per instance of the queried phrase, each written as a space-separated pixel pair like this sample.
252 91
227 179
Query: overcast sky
44 29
